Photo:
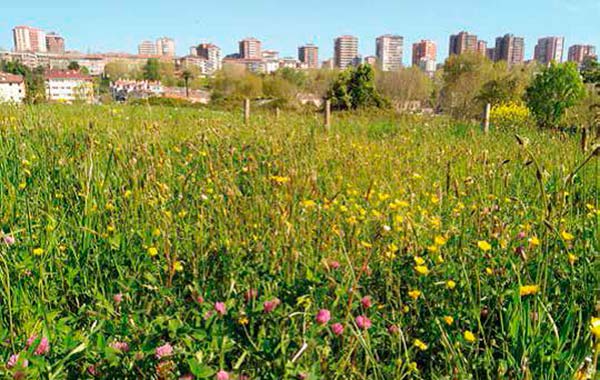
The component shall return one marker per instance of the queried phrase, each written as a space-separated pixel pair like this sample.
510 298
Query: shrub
510 116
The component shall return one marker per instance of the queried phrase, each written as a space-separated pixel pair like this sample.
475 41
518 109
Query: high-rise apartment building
211 53
481 47
578 53
463 42
55 44
147 48
308 55
510 49
28 39
345 51
250 48
549 49
165 47
423 50
389 52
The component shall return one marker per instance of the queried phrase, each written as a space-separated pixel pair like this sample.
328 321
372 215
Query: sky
282 25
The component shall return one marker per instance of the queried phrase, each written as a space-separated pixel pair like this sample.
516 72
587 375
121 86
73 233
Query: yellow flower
469 336
308 203
484 245
127 193
534 241
572 259
152 251
177 266
414 294
449 320
489 271
420 344
440 240
528 290
450 284
243 320
595 327
38 251
156 232
22 186
567 236
279 179
422 269
419 260
433 248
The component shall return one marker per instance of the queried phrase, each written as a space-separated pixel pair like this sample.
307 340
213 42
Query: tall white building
28 39
345 51
147 48
12 88
165 47
389 51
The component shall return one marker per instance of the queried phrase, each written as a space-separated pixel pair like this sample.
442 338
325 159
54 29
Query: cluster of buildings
35 47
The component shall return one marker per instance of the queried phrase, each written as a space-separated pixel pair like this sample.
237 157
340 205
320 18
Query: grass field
165 243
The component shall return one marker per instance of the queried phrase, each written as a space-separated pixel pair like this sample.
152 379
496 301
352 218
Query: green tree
406 85
553 91
355 88
74 65
34 80
151 69
187 75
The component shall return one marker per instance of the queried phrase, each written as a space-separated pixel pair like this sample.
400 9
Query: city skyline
318 24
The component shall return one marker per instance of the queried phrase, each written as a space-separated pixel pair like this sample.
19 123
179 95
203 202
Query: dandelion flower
469 336
38 251
534 241
595 327
414 294
422 270
484 245
567 236
449 320
420 344
450 284
440 240
528 290
152 251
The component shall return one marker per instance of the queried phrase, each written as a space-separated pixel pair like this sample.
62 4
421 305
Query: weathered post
486 118
246 111
327 114
584 139
277 113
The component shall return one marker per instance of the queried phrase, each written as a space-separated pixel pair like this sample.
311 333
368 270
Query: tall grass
130 223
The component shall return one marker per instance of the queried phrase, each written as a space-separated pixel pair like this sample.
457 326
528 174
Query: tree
34 80
151 69
553 91
507 86
406 85
187 75
74 65
355 88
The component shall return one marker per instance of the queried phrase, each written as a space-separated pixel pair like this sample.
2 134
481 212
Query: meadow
168 243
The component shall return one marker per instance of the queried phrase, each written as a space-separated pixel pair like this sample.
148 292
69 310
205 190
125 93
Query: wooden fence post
277 112
584 139
246 111
486 118
327 113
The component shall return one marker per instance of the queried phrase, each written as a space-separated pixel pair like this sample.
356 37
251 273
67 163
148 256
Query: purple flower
120 346
323 316
366 302
363 322
164 351
337 329
269 306
8 239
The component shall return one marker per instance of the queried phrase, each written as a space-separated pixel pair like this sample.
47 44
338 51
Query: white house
68 86
12 88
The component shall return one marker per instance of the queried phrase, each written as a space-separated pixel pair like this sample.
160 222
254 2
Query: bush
510 116
165 102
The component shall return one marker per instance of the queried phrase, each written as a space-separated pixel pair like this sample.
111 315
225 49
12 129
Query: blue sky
118 25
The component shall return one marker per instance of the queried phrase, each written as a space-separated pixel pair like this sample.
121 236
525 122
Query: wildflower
118 298
120 346
489 271
222 375
308 203
280 180
469 336
572 259
243 320
43 347
420 344
449 320
521 235
450 284
419 260
323 316
269 306
528 290
31 340
8 239
220 308
14 360
156 232
363 322
334 265
567 236
366 302
414 294
422 270
337 329
164 351
393 329
595 327
484 245
38 251
534 241
440 240
177 266
152 251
